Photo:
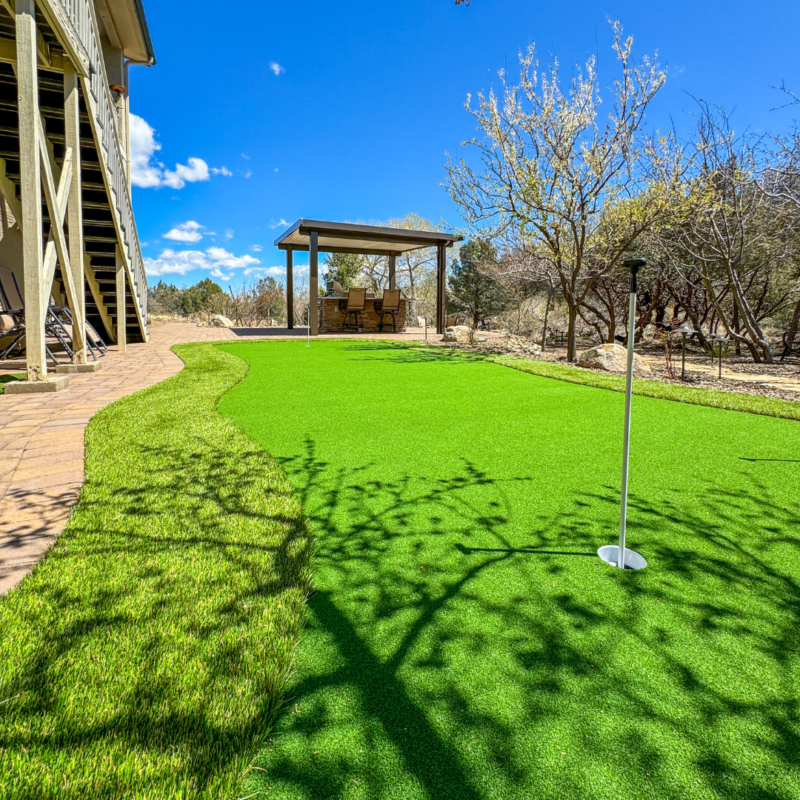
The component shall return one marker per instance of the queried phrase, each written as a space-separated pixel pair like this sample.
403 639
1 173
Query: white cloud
213 259
196 170
225 259
248 174
143 146
276 68
281 223
148 173
245 156
185 232
256 248
276 169
229 234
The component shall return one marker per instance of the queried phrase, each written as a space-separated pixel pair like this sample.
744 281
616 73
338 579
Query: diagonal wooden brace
56 200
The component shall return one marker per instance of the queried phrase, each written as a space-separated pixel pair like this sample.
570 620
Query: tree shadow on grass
414 353
146 656
453 625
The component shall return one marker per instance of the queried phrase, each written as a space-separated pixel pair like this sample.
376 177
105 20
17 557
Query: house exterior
68 230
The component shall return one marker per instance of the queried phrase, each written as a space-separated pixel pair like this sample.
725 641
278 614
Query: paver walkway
41 443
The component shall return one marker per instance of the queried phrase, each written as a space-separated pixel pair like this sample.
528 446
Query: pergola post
289 291
392 281
313 282
441 288
36 299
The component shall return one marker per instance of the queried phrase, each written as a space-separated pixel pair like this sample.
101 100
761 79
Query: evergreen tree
471 292
196 297
343 268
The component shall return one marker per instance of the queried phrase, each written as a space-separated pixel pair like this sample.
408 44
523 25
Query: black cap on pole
634 265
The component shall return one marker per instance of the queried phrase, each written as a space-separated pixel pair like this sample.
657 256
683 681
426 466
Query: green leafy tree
165 298
471 291
270 299
343 268
196 298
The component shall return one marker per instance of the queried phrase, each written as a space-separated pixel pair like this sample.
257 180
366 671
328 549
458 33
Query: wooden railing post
72 131
36 296
122 340
392 267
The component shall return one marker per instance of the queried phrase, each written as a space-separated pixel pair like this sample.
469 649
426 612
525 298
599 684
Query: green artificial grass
145 656
4 379
464 641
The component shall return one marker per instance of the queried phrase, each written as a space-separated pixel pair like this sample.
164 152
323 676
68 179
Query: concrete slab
72 369
55 384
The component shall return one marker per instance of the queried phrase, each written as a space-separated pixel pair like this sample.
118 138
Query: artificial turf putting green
465 642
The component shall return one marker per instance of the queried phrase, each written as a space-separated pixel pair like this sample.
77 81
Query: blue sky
260 113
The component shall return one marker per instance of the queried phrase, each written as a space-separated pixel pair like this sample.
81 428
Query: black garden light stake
719 343
685 330
618 555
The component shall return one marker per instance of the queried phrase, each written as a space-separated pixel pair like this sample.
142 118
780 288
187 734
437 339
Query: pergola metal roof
344 237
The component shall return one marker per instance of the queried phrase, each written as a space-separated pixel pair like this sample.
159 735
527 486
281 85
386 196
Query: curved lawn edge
732 401
147 654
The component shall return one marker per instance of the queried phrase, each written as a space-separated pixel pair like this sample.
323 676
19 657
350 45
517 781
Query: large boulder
613 358
457 333
520 346
218 321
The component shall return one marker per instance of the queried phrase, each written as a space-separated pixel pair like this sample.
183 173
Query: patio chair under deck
58 323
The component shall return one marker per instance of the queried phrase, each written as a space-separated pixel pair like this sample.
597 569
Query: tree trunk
547 316
795 323
573 315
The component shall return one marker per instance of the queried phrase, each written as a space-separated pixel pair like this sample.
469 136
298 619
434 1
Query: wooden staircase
100 238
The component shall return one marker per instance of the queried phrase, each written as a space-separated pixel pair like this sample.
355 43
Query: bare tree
729 234
571 189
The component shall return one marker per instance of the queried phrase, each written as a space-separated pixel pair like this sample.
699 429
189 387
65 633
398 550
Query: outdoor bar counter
332 311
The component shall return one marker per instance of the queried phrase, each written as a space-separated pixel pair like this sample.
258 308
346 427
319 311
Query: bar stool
354 314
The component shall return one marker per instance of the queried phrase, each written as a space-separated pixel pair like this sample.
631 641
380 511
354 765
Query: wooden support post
72 131
441 288
289 291
122 342
36 296
313 282
392 265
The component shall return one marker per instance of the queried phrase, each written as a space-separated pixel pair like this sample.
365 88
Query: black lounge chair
58 323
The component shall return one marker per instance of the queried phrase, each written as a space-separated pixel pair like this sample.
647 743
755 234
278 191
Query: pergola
314 237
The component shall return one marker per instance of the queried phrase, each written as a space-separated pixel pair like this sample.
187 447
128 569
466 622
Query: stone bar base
332 316
34 387
71 369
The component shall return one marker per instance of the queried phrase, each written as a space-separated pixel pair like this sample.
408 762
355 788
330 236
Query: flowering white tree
556 179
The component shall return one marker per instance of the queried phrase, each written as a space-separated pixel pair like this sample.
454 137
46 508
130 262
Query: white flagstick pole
617 555
633 265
